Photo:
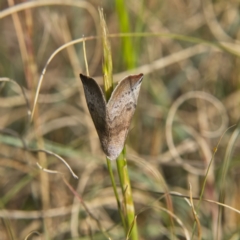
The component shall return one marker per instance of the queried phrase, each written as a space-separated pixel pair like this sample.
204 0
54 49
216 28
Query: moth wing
96 105
121 107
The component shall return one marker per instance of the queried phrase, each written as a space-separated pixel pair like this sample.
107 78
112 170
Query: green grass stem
205 181
127 195
129 219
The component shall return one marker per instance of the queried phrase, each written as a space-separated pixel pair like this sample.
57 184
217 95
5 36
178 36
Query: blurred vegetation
189 54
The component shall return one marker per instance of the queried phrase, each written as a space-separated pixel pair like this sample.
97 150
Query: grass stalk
129 57
127 195
205 180
129 219
225 168
109 165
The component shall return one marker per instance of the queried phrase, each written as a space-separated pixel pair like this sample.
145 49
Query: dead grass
189 52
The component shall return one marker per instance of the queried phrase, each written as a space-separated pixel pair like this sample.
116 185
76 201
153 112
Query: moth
112 119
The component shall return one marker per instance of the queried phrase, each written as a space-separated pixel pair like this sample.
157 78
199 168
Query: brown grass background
189 53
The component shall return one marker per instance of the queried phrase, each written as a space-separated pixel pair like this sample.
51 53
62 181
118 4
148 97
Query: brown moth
112 119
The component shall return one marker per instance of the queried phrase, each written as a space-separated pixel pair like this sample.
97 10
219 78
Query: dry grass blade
58 157
86 208
179 133
13 133
85 56
32 233
200 141
23 93
48 62
194 213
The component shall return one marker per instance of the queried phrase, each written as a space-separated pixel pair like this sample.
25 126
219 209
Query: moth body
112 119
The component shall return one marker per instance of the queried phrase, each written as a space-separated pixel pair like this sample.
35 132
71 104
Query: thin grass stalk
129 57
129 220
203 188
107 59
108 87
26 49
127 195
227 157
109 165
205 181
